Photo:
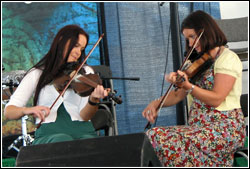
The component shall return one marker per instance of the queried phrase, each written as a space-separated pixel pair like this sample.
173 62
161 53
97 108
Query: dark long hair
212 36
58 55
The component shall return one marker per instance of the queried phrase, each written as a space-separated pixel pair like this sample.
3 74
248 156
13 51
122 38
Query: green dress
63 129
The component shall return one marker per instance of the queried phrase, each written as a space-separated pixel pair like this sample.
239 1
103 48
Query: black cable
163 79
165 70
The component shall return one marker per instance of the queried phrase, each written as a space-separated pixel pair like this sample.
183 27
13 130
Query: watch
92 103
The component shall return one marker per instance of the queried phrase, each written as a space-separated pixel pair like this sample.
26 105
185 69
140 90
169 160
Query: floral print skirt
208 140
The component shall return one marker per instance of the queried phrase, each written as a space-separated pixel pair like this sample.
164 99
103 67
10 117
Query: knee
59 138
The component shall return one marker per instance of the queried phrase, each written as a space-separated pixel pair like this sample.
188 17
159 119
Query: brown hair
54 60
212 36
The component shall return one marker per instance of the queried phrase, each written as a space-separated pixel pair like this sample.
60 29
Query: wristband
92 103
190 90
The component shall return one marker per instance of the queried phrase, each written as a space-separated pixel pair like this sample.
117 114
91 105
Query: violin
78 83
194 69
83 84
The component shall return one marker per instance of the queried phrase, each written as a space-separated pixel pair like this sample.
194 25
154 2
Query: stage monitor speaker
104 151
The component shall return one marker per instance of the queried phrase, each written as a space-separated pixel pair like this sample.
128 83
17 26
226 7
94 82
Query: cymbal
10 80
16 76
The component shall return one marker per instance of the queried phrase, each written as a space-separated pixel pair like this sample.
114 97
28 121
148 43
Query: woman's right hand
150 112
38 111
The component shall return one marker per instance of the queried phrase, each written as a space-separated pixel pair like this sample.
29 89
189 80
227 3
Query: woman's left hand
182 82
99 92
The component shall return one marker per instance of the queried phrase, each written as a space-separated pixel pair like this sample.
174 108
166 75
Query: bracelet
92 103
157 99
190 90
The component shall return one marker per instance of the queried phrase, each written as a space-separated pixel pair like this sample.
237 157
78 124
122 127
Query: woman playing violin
69 117
216 123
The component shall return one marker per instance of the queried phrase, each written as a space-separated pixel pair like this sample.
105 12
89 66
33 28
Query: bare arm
21 96
13 112
174 97
89 110
223 84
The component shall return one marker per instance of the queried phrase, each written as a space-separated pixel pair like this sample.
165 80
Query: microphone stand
121 78
25 137
112 90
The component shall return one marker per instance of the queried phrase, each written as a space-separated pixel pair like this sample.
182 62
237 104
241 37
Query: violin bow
162 100
192 49
71 79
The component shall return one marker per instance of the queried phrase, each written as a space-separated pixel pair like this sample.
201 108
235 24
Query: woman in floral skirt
216 123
